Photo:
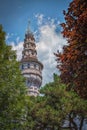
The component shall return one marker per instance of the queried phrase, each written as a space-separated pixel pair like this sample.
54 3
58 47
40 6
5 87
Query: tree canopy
12 88
56 109
73 60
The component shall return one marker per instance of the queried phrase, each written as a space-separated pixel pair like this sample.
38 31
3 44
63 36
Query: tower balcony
29 41
32 93
32 71
29 47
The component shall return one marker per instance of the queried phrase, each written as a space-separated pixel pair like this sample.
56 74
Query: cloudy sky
45 17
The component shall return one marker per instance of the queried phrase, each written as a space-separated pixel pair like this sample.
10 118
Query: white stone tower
30 66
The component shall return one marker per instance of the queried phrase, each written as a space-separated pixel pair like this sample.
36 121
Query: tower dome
31 67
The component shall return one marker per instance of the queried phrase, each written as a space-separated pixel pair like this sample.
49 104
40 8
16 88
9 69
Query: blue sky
45 17
14 14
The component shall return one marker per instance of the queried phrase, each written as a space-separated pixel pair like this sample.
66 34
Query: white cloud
39 18
7 36
18 48
17 39
49 41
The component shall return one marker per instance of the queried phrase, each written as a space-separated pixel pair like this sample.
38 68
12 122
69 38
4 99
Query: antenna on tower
28 27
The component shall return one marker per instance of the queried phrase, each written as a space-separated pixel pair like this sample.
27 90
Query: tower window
37 67
28 65
34 65
22 66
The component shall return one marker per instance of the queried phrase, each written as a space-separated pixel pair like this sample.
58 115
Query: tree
12 88
44 111
73 61
55 107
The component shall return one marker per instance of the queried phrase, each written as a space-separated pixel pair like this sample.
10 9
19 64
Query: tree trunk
81 123
72 122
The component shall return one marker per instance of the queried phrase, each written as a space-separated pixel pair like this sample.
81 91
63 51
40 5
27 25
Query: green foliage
12 88
55 106
48 111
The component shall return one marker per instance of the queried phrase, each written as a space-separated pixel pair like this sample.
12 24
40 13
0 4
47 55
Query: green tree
55 107
12 88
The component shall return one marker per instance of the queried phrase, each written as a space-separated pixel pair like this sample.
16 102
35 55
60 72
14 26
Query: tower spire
28 28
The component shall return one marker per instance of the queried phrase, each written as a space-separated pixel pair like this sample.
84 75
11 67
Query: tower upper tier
29 52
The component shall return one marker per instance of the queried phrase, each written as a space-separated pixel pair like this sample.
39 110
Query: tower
31 67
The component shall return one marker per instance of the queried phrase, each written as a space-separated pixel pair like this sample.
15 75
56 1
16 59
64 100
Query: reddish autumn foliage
73 60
